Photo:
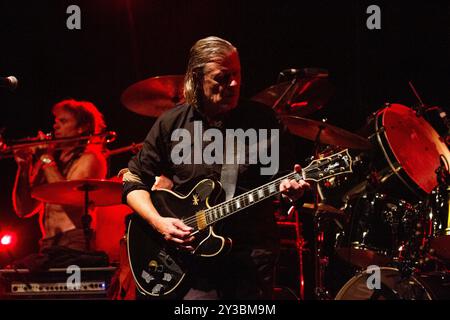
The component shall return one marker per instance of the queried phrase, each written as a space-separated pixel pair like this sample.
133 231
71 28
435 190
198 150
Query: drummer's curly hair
86 114
204 50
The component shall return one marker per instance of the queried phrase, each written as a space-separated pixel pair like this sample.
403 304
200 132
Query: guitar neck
245 200
317 170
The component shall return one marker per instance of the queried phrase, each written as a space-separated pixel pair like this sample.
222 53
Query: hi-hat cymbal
330 135
304 97
153 96
72 192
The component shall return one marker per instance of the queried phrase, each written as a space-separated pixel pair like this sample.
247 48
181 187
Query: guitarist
212 89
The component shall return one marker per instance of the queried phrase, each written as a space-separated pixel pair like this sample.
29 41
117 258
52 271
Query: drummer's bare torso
55 218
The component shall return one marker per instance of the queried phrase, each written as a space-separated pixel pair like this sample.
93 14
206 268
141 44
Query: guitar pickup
169 262
147 276
167 277
157 289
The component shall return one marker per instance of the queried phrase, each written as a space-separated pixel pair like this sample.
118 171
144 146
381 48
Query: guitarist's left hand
292 189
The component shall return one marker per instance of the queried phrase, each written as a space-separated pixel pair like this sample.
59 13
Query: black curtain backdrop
125 41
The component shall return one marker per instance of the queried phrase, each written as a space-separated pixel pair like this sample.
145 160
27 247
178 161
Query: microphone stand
276 106
422 108
306 73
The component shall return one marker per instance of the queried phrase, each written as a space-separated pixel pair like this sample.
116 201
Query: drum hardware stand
321 261
443 180
300 246
443 173
86 219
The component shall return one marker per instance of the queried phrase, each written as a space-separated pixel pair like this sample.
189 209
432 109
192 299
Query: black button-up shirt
256 225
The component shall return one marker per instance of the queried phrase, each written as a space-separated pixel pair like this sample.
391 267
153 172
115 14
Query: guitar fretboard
247 199
317 170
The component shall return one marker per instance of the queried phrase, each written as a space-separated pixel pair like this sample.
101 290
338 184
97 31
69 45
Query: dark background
124 41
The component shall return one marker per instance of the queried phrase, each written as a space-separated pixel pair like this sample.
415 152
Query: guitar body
159 267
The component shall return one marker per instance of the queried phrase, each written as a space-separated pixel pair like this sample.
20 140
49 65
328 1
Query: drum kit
393 210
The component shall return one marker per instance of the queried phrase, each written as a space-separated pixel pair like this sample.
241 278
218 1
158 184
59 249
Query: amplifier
54 284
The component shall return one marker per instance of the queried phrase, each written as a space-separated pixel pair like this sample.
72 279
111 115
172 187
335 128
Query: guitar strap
229 173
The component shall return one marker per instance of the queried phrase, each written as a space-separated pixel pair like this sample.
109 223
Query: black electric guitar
159 268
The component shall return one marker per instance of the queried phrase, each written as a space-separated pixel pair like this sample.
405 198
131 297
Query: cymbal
331 135
72 192
307 96
153 96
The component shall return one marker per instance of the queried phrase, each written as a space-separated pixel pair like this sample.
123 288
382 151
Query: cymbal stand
320 260
300 246
86 219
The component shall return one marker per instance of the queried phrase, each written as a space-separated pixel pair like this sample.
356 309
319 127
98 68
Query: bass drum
425 286
406 154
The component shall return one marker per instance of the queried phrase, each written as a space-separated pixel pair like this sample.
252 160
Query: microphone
306 72
303 73
10 82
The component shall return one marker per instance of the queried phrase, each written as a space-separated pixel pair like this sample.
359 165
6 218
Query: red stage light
7 240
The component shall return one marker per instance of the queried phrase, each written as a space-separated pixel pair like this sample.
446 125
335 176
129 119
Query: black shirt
255 226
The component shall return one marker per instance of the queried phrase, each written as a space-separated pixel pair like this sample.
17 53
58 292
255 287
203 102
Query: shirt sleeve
149 162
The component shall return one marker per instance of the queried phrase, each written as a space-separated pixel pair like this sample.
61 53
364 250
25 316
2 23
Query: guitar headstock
333 165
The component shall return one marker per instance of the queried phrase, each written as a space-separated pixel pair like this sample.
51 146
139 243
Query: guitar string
264 188
208 212
192 221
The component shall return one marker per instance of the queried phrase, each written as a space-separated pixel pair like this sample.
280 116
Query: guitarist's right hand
162 182
174 230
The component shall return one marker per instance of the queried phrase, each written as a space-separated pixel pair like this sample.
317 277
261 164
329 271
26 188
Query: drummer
61 226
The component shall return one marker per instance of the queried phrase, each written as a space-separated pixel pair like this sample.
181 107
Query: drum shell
377 227
422 286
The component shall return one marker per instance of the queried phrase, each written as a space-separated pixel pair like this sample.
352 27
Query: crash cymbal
330 135
153 96
304 97
72 192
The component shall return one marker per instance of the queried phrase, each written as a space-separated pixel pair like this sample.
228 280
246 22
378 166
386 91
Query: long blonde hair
210 49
